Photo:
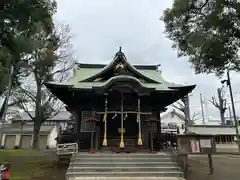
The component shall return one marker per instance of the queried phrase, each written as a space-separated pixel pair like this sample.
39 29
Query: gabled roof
101 66
86 76
119 59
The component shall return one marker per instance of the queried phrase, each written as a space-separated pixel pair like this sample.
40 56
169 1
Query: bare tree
52 61
196 116
220 104
183 106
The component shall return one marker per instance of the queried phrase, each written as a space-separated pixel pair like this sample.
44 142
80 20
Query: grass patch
33 165
15 152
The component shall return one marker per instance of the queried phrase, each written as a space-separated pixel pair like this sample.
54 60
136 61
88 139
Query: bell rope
105 124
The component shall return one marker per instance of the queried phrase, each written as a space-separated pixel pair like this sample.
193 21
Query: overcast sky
99 27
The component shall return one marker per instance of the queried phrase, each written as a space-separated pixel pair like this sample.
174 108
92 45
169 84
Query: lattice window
152 127
87 126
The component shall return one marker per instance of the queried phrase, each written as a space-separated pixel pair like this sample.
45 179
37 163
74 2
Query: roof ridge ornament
120 67
119 54
120 48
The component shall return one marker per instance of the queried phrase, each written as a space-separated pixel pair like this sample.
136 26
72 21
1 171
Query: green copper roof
86 76
83 73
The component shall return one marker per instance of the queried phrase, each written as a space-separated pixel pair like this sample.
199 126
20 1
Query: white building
18 130
171 119
225 136
60 120
22 138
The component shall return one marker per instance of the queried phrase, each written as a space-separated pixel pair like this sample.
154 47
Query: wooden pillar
185 165
146 136
159 122
210 163
97 136
158 135
78 115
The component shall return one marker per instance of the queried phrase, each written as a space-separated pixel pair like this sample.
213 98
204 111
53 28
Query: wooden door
43 141
10 141
26 141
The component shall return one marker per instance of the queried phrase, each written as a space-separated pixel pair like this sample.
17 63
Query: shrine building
118 105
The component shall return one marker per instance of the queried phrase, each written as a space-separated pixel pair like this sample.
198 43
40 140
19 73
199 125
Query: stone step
123 165
119 159
124 155
124 169
120 164
124 174
128 178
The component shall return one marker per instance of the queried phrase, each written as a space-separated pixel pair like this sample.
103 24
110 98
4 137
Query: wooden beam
128 112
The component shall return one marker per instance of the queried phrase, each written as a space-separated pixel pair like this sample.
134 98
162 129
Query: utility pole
228 81
206 109
201 101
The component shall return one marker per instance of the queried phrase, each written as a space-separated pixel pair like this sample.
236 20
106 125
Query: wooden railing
67 149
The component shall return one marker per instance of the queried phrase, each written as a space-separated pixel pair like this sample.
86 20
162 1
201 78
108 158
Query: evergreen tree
207 31
19 20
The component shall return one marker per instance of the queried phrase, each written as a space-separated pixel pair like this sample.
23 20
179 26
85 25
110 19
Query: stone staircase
124 166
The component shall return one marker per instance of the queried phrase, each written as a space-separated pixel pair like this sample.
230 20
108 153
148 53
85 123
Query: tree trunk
36 130
222 118
38 113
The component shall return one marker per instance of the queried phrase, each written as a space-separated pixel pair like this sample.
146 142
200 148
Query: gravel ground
226 167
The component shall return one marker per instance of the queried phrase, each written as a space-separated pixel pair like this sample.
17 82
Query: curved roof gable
120 61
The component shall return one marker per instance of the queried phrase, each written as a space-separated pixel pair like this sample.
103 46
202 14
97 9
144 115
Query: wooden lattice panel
85 125
152 127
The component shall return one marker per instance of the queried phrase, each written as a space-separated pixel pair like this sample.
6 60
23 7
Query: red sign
92 119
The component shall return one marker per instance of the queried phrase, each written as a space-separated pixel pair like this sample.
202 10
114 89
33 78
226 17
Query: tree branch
214 102
202 5
23 106
24 92
195 116
17 102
